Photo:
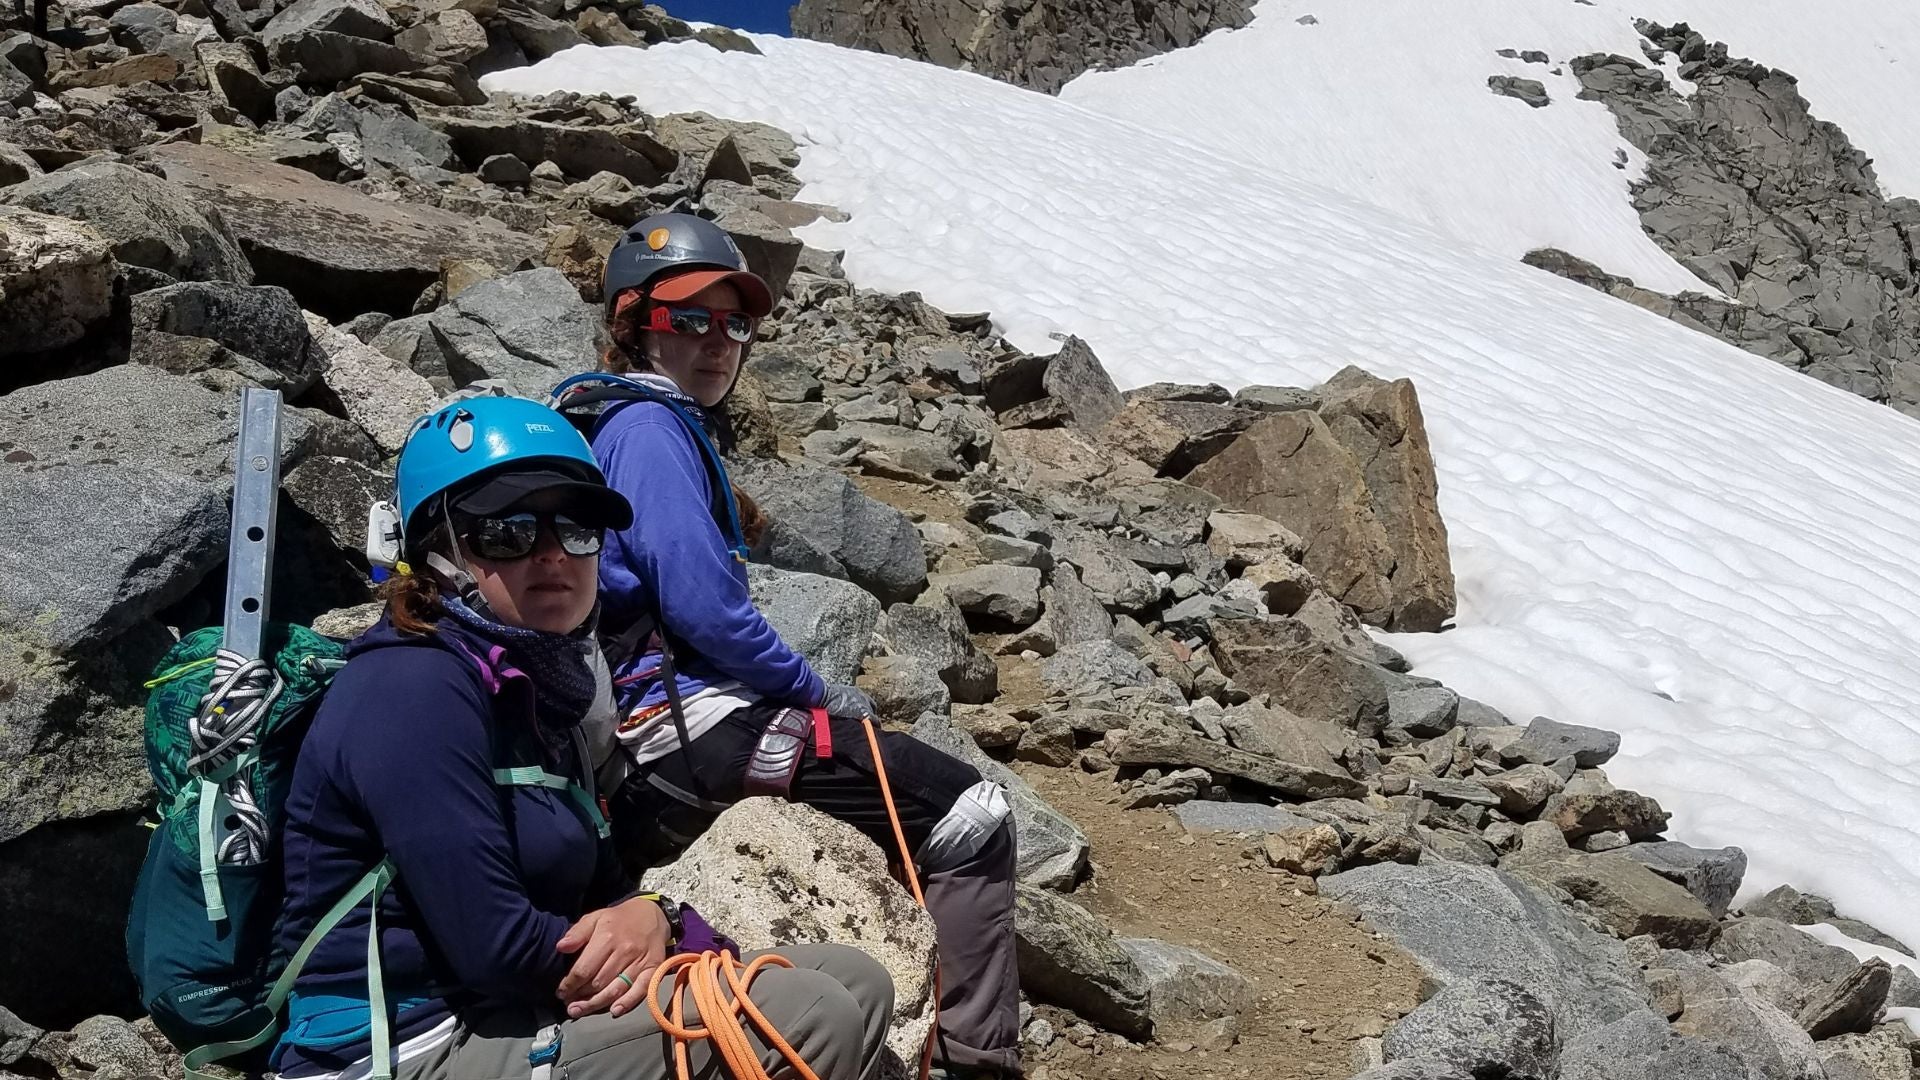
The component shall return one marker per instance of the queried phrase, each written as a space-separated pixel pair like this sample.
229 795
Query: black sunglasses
514 536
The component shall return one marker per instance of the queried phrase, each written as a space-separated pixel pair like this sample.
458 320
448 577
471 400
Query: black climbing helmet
694 251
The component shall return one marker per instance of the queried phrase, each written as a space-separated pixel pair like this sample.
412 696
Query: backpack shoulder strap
498 674
367 890
589 401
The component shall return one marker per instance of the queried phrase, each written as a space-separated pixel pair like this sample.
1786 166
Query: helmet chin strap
455 570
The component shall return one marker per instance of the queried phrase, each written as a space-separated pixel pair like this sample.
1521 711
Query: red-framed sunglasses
699 321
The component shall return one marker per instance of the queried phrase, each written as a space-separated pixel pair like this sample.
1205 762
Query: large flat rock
338 251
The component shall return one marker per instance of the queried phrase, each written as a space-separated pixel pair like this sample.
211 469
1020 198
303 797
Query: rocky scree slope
1039 44
1165 590
1773 207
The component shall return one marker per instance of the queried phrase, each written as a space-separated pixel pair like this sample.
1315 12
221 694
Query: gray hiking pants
832 1007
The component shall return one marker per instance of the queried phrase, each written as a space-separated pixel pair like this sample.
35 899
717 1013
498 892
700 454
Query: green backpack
201 933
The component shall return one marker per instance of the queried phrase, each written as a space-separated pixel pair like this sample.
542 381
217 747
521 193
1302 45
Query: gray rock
1175 788
1425 1068
1753 978
1151 741
1582 813
1012 552
56 280
822 523
826 620
1640 1046
387 136
529 330
889 450
1237 817
16 1037
378 393
454 36
1283 657
1422 711
337 249
504 169
1047 741
627 150
357 18
323 56
1186 986
142 27
149 222
1531 91
991 728
1851 1005
1173 437
1465 922
772 873
1773 1045
1196 615
1115 580
1020 525
1905 991
1074 614
143 488
1210 393
1489 1026
784 375
1547 741
1629 898
937 634
1712 875
1880 1055
110 1046
1063 41
367 325
1277 733
1005 595
262 323
1524 790
904 687
1781 945
1071 959
1091 669
16 165
1456 792
1804 909
1275 398
1052 849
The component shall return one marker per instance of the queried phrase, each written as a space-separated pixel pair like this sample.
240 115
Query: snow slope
1387 101
1653 532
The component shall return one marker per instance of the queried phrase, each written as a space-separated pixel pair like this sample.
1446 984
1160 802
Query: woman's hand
628 939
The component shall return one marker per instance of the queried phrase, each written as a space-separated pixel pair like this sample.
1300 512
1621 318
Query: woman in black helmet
715 706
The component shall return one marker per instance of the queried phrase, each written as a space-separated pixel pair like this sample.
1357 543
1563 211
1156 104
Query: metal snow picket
243 685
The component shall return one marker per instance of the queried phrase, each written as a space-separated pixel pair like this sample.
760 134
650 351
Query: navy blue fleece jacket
399 764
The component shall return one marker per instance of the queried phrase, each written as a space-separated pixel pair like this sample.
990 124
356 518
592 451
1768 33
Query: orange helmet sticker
657 239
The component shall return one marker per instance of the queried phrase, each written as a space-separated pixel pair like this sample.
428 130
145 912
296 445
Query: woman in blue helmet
450 749
714 705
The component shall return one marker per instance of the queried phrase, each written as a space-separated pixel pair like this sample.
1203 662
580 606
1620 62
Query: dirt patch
1322 979
917 501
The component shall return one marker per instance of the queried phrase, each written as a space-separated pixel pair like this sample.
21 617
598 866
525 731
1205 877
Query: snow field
1653 532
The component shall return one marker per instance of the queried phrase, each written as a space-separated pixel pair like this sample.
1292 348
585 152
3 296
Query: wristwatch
671 909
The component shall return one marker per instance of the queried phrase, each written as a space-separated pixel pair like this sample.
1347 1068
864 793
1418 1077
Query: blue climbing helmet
497 450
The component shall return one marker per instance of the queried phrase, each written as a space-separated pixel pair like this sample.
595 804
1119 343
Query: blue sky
766 16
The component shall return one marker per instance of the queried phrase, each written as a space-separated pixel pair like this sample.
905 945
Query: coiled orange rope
710 976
